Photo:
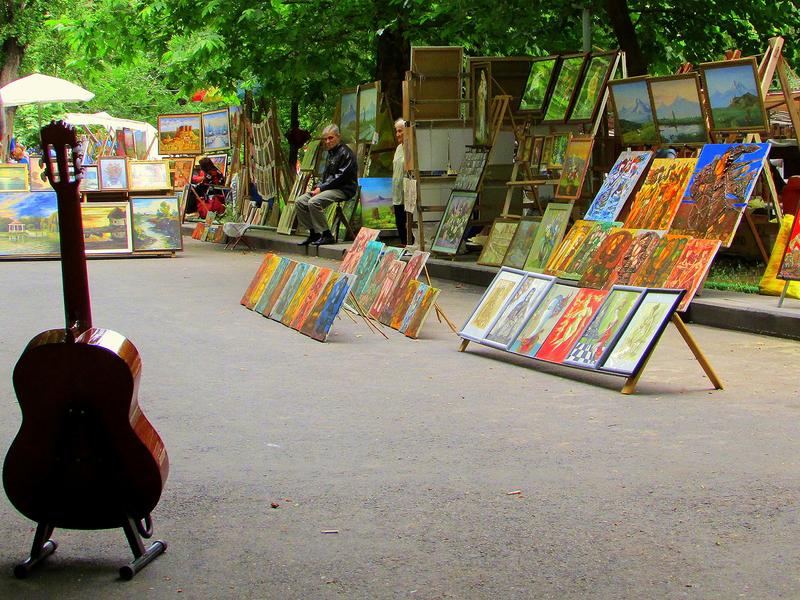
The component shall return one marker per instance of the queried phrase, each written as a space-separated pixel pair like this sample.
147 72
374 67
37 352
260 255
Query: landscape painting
156 223
348 115
634 122
376 202
593 87
678 111
39 182
14 178
454 222
180 134
538 85
367 111
29 224
216 130
564 90
90 182
106 227
618 186
148 175
734 95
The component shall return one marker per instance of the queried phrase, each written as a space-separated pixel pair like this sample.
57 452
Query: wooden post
463 346
783 293
698 354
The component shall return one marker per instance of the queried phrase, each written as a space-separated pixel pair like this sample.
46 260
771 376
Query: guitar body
85 456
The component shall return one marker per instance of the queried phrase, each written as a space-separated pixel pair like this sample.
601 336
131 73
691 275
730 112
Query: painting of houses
28 224
106 227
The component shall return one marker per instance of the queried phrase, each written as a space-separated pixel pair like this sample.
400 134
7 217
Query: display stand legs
783 293
41 548
463 346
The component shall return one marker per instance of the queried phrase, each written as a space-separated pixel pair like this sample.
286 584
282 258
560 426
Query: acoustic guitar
85 456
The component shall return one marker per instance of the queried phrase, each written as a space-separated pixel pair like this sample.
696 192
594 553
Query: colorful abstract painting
404 303
353 255
454 222
268 259
657 201
586 253
719 190
384 295
328 306
571 325
790 263
373 286
29 224
641 332
603 329
593 86
655 270
106 227
607 258
564 90
310 298
678 110
288 291
542 320
180 134
297 298
576 164
521 243
548 235
517 310
499 240
410 272
691 268
618 186
366 264
376 202
634 122
734 95
418 312
274 288
563 255
491 304
156 223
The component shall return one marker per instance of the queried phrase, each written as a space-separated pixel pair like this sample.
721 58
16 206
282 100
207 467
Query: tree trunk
393 60
12 52
620 17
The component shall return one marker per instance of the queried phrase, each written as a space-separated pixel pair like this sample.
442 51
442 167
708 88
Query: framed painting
220 161
130 142
491 303
642 246
38 175
542 320
641 332
547 153
558 149
14 178
418 311
113 173
182 172
368 95
156 223
140 143
180 134
565 88
539 84
377 211
481 77
548 235
216 130
734 96
654 271
31 227
234 117
678 110
521 243
618 186
607 257
146 175
454 222
604 328
90 182
497 243
657 200
691 268
348 115
719 190
599 69
790 263
440 68
471 169
634 121
517 310
536 155
571 325
107 227
576 164
568 247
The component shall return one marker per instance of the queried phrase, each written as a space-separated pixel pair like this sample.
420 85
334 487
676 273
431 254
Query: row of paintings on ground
29 225
682 109
111 173
539 316
196 133
386 288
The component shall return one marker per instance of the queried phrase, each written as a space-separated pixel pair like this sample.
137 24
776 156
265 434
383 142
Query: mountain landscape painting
634 121
376 202
677 108
734 96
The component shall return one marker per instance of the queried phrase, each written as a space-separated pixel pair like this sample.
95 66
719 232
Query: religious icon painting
790 263
302 291
655 270
599 70
454 222
565 88
719 190
267 265
691 268
618 186
539 83
542 320
633 112
641 333
491 304
328 306
642 246
521 242
604 328
517 310
586 253
366 264
363 237
289 290
657 201
571 325
734 95
563 255
678 109
499 240
387 289
548 235
576 164
422 308
106 227
481 76
607 258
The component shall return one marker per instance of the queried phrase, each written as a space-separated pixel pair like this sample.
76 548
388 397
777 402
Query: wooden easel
364 315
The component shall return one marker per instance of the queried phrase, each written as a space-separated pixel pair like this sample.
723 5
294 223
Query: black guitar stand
134 530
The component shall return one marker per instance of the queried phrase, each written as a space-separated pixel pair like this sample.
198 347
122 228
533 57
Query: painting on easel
600 69
633 111
454 222
734 95
576 164
678 110
565 88
790 264
540 81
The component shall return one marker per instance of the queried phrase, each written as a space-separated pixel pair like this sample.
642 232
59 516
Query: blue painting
29 224
618 186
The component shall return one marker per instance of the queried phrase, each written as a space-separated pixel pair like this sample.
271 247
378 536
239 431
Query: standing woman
398 174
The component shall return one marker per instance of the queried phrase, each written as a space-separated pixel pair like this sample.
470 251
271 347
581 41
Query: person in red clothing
208 177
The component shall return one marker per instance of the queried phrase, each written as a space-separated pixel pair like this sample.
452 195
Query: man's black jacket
341 171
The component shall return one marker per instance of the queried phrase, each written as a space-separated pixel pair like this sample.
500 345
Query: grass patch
733 273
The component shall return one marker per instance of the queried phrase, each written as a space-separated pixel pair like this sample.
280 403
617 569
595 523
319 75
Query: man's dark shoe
312 237
325 238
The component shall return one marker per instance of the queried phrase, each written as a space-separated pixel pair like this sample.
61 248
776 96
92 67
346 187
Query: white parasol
41 89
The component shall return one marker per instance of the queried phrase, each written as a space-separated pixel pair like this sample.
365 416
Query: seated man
339 182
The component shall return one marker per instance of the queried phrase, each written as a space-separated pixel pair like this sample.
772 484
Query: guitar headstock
61 155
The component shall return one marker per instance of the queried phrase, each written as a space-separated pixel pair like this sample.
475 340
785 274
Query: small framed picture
113 172
148 175
90 181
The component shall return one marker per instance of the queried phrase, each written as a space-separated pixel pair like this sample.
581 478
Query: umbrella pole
39 112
